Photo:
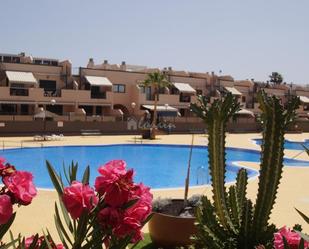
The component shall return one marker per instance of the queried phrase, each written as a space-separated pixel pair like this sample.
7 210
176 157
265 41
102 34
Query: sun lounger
48 138
38 138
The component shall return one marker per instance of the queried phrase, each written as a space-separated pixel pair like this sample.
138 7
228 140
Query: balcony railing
98 95
19 92
52 93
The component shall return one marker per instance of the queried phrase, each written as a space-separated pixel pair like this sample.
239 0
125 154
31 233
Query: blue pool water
289 145
158 166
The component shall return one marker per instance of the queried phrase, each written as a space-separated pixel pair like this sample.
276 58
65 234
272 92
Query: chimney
170 68
90 63
105 62
123 66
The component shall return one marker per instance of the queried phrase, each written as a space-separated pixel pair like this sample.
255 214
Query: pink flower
115 182
20 185
110 172
40 241
110 217
134 216
292 238
6 208
128 226
79 197
29 240
142 208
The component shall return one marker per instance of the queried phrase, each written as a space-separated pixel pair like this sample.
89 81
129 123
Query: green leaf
306 149
86 175
306 218
285 243
47 241
33 245
13 240
55 178
5 227
74 168
129 204
301 244
60 233
65 173
59 224
66 216
81 228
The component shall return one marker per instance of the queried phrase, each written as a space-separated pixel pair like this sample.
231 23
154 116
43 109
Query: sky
243 38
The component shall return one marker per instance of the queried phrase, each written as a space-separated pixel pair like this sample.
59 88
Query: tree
276 78
156 80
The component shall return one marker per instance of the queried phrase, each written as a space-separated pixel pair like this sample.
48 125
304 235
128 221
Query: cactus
232 220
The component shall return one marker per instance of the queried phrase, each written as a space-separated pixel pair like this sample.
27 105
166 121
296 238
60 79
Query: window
7 59
243 99
119 88
46 62
57 109
174 91
24 109
12 59
48 85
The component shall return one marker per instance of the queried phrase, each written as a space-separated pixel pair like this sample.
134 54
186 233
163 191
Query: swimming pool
158 166
289 145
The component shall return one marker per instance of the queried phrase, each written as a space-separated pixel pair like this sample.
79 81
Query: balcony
98 95
19 92
38 95
171 99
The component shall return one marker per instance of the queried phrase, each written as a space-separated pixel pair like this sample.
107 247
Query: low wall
22 128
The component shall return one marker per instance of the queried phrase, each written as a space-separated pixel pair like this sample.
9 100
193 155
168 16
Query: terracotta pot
146 134
169 231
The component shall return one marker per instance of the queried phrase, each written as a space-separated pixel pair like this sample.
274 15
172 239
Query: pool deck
293 190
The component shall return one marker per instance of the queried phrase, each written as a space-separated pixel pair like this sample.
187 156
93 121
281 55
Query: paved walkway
293 191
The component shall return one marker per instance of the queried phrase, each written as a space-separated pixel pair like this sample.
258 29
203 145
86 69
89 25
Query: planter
170 231
146 134
149 133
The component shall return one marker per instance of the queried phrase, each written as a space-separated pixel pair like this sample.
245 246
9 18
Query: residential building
111 92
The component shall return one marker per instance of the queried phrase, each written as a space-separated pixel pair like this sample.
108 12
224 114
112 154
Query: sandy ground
293 190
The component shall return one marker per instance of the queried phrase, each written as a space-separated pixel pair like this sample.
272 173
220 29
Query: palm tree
276 78
156 80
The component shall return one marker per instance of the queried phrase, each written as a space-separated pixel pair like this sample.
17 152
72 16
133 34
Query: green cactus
232 220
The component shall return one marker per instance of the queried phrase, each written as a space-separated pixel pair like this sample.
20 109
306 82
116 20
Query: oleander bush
109 215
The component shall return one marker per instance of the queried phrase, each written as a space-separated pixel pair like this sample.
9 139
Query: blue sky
244 38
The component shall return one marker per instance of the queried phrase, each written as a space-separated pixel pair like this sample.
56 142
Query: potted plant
172 223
